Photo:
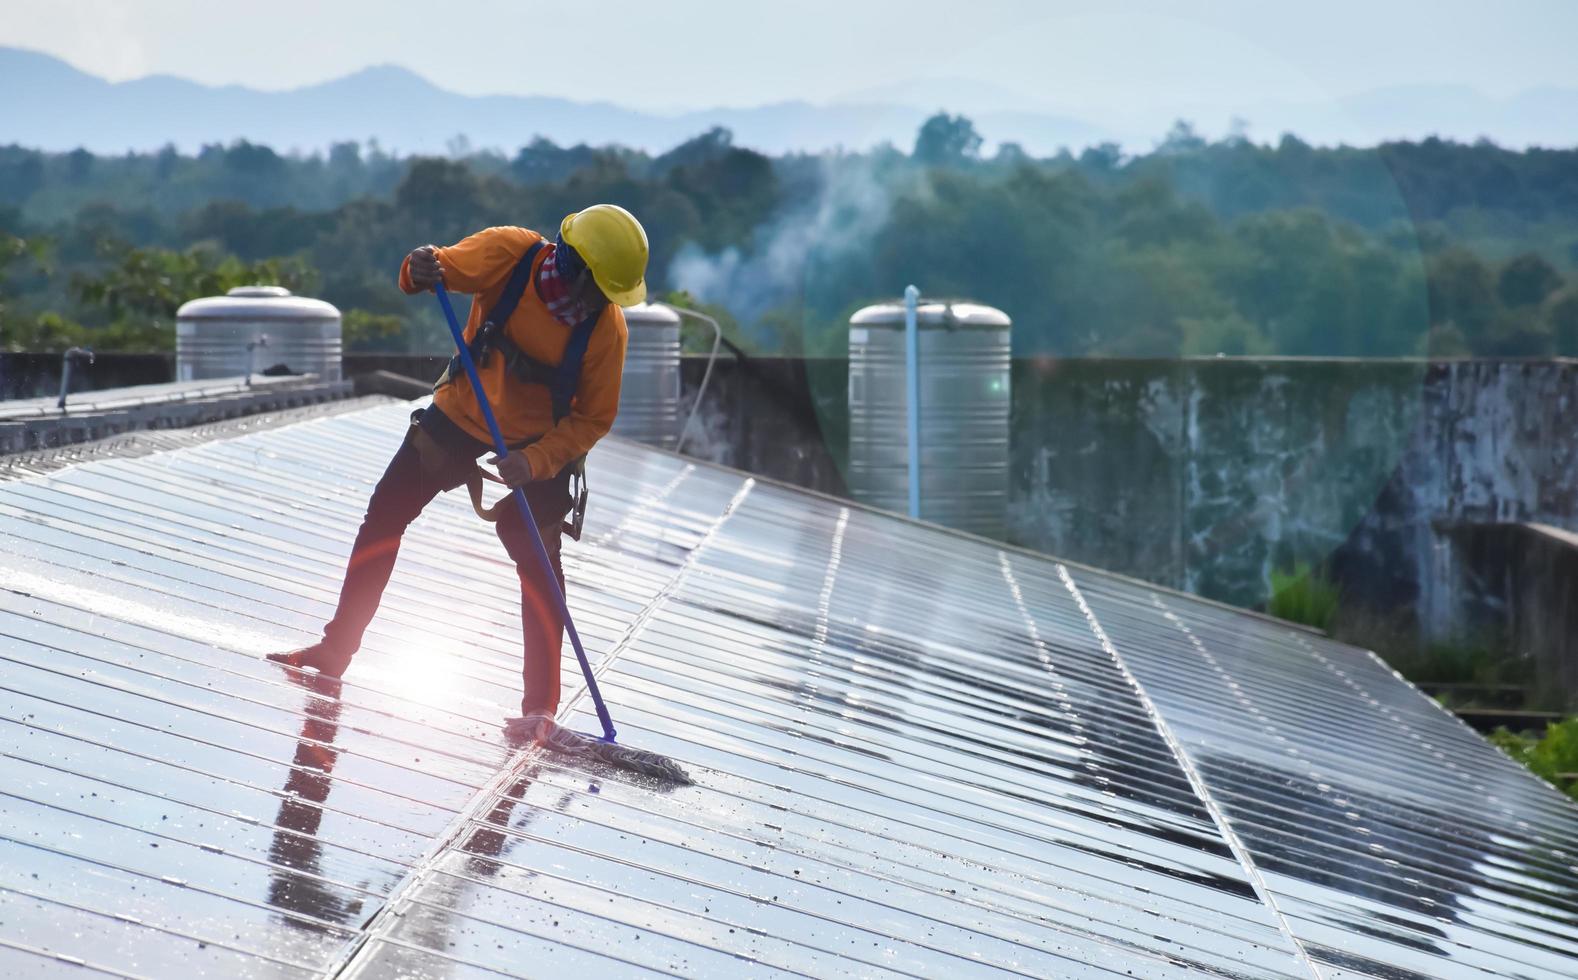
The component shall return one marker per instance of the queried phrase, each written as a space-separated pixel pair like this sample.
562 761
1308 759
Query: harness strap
520 278
492 512
492 328
474 479
569 370
560 379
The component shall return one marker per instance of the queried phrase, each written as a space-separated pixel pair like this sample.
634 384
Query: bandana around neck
554 288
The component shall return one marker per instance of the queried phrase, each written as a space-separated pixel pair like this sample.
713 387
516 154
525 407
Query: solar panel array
916 753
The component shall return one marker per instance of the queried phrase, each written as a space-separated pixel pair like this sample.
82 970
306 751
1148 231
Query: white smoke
849 207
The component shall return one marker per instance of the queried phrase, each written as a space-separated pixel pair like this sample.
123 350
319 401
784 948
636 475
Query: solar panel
1366 807
916 753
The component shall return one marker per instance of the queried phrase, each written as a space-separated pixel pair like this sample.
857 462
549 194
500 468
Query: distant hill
1536 117
64 108
53 106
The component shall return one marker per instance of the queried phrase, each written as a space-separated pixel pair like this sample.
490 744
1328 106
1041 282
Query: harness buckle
577 521
482 345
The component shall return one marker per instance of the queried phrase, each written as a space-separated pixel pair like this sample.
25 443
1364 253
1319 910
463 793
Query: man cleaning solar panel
547 338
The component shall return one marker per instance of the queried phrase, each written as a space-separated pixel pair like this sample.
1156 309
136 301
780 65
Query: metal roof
156 397
916 753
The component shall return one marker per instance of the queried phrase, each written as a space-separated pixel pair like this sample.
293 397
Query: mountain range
54 106
57 107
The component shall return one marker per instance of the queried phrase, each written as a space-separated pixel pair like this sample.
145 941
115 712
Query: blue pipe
520 500
912 392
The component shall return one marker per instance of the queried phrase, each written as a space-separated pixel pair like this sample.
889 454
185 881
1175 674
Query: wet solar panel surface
915 753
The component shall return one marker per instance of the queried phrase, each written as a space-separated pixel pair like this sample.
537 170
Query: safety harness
560 379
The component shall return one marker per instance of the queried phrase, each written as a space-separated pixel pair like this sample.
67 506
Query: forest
1194 248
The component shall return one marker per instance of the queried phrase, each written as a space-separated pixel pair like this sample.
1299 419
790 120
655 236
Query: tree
1011 154
541 161
1561 315
1182 138
544 162
167 162
1516 333
12 250
705 148
20 331
946 140
1153 215
438 192
345 156
142 289
253 159
1205 246
1527 280
734 192
79 164
1444 341
1231 335
696 337
21 174
1461 292
1102 158
364 331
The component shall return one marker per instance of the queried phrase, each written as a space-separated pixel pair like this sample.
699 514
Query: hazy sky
1064 55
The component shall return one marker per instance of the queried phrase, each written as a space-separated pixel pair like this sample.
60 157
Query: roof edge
148 442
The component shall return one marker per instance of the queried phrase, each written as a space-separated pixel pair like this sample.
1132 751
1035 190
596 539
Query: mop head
559 740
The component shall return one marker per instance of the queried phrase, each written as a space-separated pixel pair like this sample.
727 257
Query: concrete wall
1496 442
1203 474
1522 581
779 417
1208 474
25 375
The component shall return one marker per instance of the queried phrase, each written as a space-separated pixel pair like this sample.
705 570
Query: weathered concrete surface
1208 474
1521 580
1096 464
1204 474
1494 443
773 416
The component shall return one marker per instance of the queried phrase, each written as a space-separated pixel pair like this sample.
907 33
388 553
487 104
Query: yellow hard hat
614 246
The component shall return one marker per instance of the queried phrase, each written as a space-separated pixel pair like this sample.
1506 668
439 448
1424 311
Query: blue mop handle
520 499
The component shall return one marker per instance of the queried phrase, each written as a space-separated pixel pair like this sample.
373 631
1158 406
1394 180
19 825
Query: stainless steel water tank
212 334
964 395
649 396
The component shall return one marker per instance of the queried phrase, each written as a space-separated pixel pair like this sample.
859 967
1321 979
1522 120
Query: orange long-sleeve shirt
481 265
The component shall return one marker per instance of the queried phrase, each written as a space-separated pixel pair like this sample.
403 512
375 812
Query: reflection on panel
1396 841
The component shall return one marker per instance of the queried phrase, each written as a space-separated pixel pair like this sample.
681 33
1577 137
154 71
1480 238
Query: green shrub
1553 757
1474 660
1304 596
